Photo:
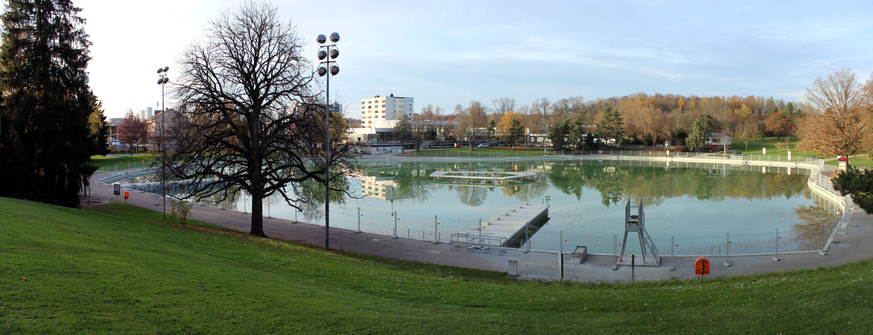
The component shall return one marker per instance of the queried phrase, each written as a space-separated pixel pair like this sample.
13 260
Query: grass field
116 269
123 162
481 152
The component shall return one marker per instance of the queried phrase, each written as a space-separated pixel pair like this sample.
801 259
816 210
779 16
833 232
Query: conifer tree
46 141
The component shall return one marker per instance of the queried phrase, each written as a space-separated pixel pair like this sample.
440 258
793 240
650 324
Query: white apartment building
377 111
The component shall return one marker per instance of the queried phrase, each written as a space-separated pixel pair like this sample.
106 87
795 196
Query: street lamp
162 80
323 51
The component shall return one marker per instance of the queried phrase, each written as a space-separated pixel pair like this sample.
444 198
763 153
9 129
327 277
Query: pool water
696 204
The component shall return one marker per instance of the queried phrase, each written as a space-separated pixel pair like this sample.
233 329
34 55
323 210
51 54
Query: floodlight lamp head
334 70
322 55
166 80
334 37
166 68
334 53
322 71
321 39
160 70
160 81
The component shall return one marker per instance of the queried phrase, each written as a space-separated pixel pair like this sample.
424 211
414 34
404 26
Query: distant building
113 125
159 123
719 141
145 114
376 112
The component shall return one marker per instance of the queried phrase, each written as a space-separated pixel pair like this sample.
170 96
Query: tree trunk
258 216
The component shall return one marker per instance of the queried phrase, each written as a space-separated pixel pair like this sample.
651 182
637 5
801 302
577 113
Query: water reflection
310 194
470 195
814 227
699 203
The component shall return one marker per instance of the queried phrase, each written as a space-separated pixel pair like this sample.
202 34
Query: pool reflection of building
381 188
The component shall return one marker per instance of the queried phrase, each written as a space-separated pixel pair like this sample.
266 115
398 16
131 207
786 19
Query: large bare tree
472 120
132 131
840 122
249 119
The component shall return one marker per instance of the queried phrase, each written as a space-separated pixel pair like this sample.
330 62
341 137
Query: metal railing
474 241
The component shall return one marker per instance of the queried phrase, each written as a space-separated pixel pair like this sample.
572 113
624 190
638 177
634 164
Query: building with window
377 111
145 114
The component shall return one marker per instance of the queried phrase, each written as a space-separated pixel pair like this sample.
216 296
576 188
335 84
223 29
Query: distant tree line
635 118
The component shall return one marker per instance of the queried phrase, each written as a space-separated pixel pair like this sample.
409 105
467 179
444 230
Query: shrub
180 210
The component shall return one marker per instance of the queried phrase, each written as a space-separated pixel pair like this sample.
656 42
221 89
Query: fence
818 183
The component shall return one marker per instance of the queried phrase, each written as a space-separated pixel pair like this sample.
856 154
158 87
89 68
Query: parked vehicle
482 145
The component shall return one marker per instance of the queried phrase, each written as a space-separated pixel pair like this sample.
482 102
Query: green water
697 204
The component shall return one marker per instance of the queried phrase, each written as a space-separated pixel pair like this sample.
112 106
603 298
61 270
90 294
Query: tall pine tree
47 138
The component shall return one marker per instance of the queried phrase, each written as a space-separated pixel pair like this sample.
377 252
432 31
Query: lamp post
162 80
325 50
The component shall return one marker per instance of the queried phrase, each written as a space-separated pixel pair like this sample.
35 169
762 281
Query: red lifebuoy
701 266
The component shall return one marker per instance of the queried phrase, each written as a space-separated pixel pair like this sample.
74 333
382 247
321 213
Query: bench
578 255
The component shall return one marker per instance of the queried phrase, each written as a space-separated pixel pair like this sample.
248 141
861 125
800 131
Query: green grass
116 270
123 162
756 146
480 152
854 162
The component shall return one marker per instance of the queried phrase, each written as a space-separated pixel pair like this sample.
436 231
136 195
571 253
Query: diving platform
635 222
513 227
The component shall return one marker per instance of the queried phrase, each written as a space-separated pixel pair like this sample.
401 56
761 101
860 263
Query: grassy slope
112 270
134 161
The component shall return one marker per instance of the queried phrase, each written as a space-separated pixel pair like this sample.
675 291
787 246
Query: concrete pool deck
856 243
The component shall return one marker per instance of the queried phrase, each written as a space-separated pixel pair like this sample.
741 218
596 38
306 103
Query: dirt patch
96 200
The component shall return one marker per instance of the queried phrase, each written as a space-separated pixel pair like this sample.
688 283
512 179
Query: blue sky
450 52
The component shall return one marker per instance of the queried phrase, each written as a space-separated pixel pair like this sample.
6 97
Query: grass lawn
481 152
854 162
115 269
123 162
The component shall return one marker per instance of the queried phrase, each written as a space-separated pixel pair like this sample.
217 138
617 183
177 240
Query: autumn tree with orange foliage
841 116
778 124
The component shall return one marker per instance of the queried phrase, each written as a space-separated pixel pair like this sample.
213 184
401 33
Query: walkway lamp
163 80
324 50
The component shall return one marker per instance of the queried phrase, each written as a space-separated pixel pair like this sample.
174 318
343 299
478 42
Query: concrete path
853 245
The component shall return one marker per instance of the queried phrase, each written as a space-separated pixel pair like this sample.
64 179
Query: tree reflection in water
312 194
815 227
615 183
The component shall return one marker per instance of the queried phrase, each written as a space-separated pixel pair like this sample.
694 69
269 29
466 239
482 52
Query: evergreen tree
46 142
700 131
859 184
611 125
558 135
516 131
576 136
589 142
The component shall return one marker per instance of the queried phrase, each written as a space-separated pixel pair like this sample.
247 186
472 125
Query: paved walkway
853 245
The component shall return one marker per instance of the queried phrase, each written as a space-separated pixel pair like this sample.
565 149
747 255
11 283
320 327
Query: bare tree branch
249 119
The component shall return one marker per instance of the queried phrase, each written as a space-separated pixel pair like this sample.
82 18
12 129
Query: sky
452 52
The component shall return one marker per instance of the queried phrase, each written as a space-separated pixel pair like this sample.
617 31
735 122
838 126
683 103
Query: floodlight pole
162 80
326 69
